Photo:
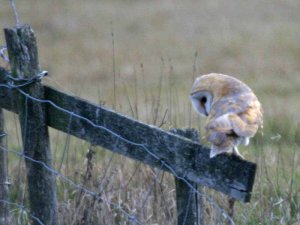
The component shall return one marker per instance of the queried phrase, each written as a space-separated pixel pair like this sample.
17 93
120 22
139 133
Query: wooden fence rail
98 125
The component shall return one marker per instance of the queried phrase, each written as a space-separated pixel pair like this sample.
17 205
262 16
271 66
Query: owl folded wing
241 125
221 135
228 131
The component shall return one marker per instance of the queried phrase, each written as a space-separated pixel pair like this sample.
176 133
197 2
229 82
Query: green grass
159 47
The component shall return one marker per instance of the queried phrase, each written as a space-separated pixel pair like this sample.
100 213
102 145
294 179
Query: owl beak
204 106
206 113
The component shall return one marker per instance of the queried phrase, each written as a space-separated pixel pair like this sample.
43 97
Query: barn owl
233 112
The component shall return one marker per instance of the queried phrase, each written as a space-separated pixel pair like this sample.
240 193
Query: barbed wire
10 85
24 81
3 134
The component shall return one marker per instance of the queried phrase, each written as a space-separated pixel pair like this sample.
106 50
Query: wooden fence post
24 62
189 204
4 216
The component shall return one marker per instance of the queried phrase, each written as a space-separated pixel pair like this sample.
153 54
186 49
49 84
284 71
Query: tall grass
141 58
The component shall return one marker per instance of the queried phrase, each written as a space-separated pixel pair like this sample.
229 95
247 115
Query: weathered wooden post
189 203
4 216
24 62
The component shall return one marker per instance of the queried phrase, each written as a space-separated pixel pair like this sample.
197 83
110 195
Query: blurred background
141 57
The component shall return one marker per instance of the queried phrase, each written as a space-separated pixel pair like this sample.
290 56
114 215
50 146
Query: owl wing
220 135
235 104
241 113
242 125
228 131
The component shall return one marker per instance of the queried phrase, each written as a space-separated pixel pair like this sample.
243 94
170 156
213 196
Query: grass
156 50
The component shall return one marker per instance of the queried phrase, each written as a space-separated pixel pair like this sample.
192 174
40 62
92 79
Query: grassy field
140 58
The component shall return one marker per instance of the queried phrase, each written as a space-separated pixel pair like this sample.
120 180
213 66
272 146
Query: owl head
210 88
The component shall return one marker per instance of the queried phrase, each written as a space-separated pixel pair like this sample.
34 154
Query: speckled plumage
233 111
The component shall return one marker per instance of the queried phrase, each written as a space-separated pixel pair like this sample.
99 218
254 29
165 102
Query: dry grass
154 55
